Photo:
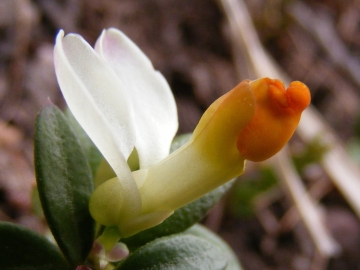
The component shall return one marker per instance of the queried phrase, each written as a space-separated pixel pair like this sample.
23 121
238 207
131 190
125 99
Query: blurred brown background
189 41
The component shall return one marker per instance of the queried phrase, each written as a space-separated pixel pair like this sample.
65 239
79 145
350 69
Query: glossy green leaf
65 184
203 232
92 153
180 251
23 249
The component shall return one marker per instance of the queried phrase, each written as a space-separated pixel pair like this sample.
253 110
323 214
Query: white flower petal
96 97
155 115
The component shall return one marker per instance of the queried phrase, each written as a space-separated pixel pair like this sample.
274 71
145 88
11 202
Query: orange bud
277 115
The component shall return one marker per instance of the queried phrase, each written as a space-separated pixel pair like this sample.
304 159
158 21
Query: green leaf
181 251
65 184
203 232
93 155
182 218
23 249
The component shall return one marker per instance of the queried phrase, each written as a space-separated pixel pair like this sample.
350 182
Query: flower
124 104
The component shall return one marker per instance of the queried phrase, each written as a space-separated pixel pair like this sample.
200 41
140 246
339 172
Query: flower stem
109 238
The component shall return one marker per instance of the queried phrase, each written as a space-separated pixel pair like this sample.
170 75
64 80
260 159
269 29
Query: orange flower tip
277 93
296 97
299 96
277 114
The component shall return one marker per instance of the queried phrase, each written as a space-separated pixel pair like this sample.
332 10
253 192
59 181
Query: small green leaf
65 184
181 251
203 232
23 249
93 155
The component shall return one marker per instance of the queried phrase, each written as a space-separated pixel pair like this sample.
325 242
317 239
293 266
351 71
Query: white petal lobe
96 97
154 108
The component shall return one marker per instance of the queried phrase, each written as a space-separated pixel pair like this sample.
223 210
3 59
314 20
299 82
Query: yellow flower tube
204 163
253 121
207 161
